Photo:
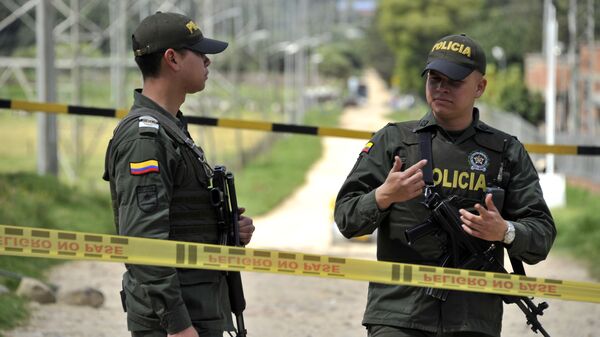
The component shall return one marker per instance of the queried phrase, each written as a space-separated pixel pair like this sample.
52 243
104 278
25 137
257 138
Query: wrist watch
509 236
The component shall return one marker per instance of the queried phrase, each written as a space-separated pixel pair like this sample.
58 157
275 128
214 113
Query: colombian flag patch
367 147
144 167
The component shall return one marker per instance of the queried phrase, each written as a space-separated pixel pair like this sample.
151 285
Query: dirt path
302 222
280 305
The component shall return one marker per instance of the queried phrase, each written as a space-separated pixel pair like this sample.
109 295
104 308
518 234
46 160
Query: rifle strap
425 146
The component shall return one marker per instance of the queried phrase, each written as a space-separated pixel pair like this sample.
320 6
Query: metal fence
585 167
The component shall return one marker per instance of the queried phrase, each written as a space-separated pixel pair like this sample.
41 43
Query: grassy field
578 226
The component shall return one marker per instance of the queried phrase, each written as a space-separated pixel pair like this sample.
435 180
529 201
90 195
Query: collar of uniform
143 101
426 122
479 125
429 121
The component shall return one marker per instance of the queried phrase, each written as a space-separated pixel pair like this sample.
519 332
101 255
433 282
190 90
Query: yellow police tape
59 244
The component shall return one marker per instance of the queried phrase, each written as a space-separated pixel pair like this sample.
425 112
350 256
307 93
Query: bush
578 227
506 90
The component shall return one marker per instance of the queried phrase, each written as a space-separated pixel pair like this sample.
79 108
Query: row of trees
404 30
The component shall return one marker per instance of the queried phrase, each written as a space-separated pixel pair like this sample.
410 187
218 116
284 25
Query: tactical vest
464 170
192 216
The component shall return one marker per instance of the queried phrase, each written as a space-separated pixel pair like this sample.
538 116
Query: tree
340 59
515 26
410 28
506 90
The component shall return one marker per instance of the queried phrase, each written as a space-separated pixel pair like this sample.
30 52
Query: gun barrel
235 213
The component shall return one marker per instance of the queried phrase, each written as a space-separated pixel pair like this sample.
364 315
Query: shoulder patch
148 125
367 147
145 167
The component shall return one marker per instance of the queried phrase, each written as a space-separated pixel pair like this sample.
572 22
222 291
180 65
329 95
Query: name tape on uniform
58 244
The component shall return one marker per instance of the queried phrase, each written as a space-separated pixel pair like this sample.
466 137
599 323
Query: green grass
36 201
413 113
270 177
578 226
12 311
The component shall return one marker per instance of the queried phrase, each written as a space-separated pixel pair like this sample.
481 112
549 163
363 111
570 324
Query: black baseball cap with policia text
161 31
456 56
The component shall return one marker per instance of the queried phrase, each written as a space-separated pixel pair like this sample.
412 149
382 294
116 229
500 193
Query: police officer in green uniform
385 191
159 184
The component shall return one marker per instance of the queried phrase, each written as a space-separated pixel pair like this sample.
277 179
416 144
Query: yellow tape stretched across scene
578 150
59 244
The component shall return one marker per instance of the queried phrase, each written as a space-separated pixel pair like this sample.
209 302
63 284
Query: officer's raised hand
400 185
488 225
246 228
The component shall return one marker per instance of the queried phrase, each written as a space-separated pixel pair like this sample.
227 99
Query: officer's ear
171 58
480 88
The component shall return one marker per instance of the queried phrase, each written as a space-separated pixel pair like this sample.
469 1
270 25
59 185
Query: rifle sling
425 146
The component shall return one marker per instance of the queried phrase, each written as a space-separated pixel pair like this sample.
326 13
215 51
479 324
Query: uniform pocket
147 197
139 310
206 299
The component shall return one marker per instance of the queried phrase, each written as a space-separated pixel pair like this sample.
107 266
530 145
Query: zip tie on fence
68 245
263 126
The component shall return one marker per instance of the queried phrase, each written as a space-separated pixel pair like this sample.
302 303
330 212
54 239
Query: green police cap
456 56
161 31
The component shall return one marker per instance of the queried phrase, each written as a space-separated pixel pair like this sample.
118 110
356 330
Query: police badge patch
479 161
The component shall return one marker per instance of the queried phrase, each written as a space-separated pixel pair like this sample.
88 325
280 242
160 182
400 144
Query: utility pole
553 184
76 85
301 61
118 15
208 18
551 32
591 78
573 118
47 162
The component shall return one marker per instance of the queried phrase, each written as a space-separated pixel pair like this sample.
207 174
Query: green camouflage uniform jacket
159 190
463 167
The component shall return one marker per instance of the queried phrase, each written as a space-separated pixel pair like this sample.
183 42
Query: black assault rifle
468 252
224 198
